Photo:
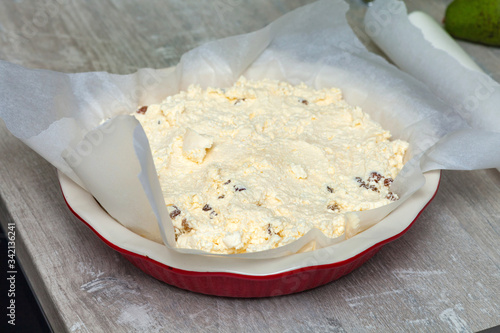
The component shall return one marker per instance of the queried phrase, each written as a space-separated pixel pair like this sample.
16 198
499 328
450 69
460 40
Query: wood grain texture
443 275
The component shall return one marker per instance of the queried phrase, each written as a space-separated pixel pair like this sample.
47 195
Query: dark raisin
375 177
142 110
175 212
388 182
269 229
329 189
334 207
239 100
373 188
239 188
206 208
391 196
221 196
364 185
361 182
227 182
186 226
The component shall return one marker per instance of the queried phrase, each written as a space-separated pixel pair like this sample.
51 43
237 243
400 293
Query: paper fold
105 162
473 95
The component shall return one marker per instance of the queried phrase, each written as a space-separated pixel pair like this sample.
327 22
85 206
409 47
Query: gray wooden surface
443 275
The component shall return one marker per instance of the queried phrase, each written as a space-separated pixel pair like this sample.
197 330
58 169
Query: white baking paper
59 114
472 94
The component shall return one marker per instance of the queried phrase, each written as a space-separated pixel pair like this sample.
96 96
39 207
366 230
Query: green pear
474 20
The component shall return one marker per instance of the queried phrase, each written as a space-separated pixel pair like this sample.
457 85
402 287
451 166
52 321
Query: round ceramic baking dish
232 277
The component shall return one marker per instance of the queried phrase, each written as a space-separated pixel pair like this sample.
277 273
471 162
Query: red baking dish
233 277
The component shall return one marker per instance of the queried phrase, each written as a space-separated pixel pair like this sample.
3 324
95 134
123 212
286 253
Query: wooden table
443 275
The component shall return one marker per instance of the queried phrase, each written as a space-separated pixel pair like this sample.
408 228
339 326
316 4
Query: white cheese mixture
258 165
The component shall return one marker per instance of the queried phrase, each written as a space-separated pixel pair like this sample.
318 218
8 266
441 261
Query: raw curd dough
257 165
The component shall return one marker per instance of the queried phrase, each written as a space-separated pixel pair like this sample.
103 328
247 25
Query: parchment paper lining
59 115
